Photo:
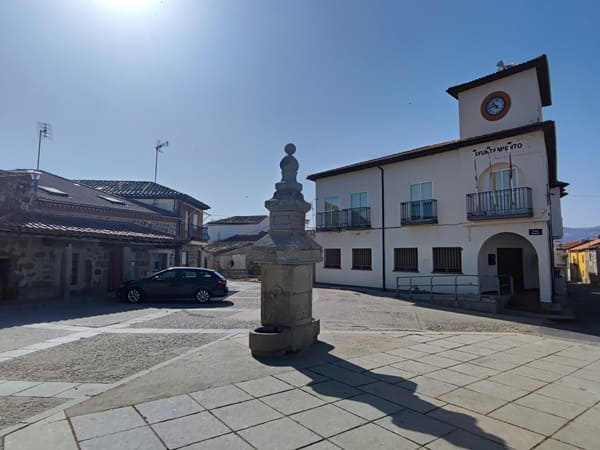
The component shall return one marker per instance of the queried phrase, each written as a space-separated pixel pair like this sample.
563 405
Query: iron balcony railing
198 233
419 212
504 203
344 219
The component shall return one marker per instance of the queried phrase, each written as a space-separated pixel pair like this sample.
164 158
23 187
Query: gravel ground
204 319
17 337
15 409
105 319
105 358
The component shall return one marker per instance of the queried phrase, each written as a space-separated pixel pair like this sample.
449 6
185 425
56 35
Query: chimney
18 190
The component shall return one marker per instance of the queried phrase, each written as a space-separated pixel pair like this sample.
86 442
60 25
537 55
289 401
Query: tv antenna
158 147
44 130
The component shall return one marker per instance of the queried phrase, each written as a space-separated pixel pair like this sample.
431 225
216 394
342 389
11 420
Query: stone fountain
287 258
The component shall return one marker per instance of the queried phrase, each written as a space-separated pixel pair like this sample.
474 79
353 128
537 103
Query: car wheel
202 296
135 295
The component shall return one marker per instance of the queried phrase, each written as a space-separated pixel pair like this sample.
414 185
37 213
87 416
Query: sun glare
128 6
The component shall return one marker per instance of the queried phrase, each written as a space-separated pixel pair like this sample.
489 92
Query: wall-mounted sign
489 150
535 232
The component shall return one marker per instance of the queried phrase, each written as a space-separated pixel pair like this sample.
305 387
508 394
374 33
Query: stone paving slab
168 408
328 420
371 436
107 422
189 429
138 438
387 400
246 414
281 434
47 389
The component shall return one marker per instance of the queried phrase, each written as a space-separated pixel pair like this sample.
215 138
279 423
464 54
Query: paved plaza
183 377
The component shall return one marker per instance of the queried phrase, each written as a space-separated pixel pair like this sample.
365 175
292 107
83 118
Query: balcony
419 212
197 233
500 204
344 219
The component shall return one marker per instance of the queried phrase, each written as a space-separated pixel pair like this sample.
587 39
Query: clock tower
509 98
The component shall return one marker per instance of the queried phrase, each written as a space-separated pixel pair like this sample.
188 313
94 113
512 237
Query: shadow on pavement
318 360
26 313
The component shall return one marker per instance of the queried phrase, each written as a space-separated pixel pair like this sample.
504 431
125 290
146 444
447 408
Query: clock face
495 106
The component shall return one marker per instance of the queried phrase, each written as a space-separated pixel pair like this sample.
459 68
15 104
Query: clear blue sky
229 83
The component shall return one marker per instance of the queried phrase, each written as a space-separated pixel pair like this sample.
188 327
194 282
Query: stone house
222 229
59 237
234 257
190 211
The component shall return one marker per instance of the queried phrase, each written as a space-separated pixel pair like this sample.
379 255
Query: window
113 200
501 179
206 274
361 259
165 276
359 212
332 206
420 206
75 269
184 258
447 259
188 274
195 221
406 260
333 258
53 191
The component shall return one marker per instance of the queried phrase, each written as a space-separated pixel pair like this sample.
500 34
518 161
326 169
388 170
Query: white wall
162 203
220 232
526 105
453 176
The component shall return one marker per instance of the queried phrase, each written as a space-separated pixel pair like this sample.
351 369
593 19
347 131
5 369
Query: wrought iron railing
418 212
498 204
344 219
198 233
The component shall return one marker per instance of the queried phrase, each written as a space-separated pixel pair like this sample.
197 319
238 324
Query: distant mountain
573 234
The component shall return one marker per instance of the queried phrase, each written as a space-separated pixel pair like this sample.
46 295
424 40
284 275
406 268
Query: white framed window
501 179
332 207
421 195
359 213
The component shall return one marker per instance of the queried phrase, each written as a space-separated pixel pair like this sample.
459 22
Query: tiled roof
589 245
239 220
141 189
567 245
46 224
58 190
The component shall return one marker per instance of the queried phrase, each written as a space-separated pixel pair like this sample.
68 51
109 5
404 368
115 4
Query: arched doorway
514 261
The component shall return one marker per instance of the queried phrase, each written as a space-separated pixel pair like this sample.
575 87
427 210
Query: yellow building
583 262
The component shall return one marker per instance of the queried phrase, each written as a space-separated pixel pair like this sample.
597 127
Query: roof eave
543 75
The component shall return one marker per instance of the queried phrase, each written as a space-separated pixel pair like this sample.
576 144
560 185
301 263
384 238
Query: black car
176 282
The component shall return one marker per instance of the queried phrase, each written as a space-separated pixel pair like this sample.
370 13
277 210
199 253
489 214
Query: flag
475 169
510 170
492 178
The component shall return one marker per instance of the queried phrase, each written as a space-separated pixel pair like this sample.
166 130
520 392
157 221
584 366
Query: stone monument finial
288 186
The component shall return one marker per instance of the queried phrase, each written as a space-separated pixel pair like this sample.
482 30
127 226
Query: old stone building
59 238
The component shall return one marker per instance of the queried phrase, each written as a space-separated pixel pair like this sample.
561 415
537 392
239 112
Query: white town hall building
482 210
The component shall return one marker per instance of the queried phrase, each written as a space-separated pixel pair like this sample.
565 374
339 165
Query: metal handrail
344 219
453 285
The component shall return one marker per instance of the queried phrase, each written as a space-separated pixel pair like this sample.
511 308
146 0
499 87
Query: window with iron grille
333 258
361 259
447 259
406 260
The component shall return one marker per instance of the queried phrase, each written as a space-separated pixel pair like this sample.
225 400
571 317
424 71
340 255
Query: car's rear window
218 275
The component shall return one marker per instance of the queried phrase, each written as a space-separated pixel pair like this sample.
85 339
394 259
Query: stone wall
17 192
41 268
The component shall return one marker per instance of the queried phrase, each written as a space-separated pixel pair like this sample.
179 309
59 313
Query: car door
188 282
162 285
